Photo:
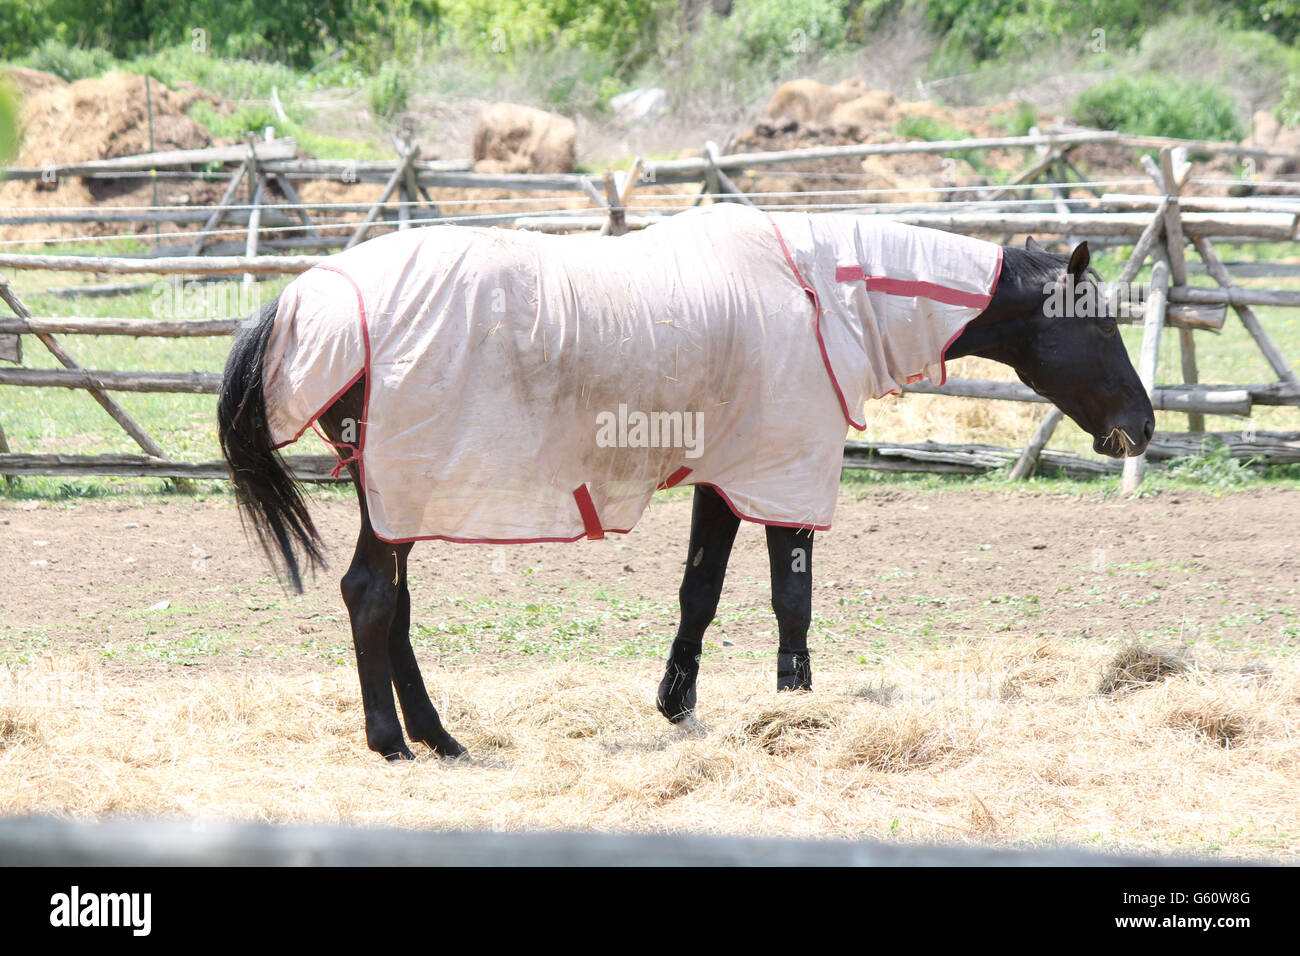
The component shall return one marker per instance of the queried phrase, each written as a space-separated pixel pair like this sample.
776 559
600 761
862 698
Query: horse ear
1032 244
1079 260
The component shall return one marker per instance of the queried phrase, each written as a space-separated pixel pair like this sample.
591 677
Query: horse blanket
526 387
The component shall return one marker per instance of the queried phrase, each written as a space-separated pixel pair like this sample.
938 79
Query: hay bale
103 118
808 101
1137 666
509 138
864 113
99 118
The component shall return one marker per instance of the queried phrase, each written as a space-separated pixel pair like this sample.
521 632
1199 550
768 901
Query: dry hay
914 417
946 753
1137 665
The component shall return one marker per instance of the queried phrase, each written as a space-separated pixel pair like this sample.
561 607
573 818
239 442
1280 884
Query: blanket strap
587 508
674 479
354 453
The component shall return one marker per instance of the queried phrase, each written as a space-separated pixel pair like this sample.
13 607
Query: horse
423 353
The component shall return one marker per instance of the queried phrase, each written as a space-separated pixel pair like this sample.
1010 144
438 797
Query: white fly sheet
525 387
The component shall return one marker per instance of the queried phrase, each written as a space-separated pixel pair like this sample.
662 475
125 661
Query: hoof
676 696
449 748
793 670
400 752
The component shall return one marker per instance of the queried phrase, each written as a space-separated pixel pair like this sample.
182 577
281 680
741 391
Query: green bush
927 128
626 29
228 77
781 30
70 62
1288 111
1155 105
9 119
1214 467
1252 63
996 28
390 91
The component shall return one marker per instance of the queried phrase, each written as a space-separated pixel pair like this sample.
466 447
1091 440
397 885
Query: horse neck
999 332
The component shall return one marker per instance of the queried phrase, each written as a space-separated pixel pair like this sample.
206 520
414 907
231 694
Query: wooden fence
1159 226
261 169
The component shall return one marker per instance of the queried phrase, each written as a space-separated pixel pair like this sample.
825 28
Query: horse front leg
713 530
789 551
418 712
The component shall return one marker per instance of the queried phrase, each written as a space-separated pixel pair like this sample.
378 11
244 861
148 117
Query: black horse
1078 363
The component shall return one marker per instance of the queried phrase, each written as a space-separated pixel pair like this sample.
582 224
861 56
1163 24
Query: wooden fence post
1027 463
1173 173
1153 325
222 207
1215 267
398 176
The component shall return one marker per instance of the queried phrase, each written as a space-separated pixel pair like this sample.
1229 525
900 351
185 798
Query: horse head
1055 327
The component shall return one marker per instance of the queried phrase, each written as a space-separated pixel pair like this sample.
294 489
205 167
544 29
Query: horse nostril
1149 429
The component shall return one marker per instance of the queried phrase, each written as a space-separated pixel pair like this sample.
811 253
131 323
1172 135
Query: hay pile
804 113
93 119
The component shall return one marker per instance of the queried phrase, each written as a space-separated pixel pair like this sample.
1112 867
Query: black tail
269 496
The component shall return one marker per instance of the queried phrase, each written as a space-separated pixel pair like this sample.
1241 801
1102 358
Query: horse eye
1109 328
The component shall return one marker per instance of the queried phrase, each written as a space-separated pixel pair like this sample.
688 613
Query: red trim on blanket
817 327
943 356
354 453
771 524
891 287
674 479
587 508
312 421
913 288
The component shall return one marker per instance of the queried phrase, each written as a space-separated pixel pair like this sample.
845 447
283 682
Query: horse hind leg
379 606
713 531
418 712
371 595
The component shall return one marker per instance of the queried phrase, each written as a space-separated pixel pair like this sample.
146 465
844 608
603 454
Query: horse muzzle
1121 442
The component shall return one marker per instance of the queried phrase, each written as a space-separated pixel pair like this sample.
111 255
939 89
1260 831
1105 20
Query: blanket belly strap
674 479
587 508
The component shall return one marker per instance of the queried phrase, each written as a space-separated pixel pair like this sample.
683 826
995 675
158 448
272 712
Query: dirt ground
1188 564
959 641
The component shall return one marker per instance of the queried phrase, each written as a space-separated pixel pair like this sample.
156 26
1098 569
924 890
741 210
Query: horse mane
1031 269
